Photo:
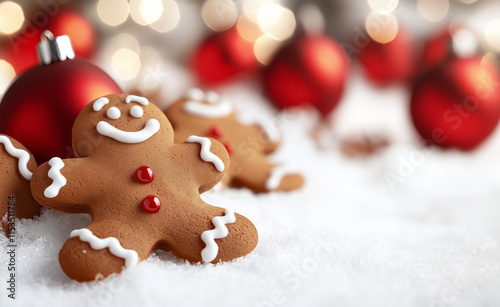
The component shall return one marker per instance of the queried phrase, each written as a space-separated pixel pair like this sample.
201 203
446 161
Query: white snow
346 239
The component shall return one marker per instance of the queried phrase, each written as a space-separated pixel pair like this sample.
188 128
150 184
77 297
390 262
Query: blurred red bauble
437 48
310 70
20 50
457 103
40 106
390 62
223 56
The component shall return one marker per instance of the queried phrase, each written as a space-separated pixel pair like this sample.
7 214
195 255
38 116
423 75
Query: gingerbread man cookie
206 114
17 165
141 190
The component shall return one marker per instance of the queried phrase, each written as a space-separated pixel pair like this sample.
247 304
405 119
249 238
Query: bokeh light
264 49
382 27
169 19
219 15
252 7
492 34
311 19
248 29
433 10
7 73
464 43
489 60
126 64
113 12
11 17
276 21
145 12
383 6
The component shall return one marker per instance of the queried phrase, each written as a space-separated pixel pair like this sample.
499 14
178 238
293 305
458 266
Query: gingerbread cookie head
17 165
206 114
141 190
118 120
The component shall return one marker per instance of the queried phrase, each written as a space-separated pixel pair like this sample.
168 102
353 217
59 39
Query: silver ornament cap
52 49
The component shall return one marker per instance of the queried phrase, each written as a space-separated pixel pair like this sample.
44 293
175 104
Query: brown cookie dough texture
206 114
17 165
141 190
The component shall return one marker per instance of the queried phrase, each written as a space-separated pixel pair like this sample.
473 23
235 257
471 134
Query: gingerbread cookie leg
90 252
213 234
261 176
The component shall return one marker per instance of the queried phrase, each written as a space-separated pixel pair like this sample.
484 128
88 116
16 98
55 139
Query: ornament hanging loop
46 35
53 49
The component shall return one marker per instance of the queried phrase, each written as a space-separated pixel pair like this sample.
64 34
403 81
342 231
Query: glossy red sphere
310 70
40 106
223 56
144 174
457 103
151 204
392 62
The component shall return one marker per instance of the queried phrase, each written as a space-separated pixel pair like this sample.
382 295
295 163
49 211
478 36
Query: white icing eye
212 97
196 94
136 111
113 113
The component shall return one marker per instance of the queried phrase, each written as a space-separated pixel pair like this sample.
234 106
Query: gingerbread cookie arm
52 188
270 136
92 252
261 176
213 234
211 160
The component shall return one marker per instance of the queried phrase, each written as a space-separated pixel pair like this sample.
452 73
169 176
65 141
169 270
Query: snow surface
348 238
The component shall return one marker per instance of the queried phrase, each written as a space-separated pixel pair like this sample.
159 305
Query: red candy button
144 174
229 148
216 131
151 204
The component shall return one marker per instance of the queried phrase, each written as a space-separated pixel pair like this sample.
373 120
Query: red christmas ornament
310 70
390 62
451 41
223 56
457 103
40 106
437 48
20 50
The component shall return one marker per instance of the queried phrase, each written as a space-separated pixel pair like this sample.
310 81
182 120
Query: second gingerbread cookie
141 190
206 114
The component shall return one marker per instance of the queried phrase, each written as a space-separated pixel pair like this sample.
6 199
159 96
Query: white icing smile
151 128
134 137
214 108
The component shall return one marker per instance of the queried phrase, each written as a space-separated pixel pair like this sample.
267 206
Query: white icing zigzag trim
56 164
277 173
22 155
131 257
152 126
220 231
205 153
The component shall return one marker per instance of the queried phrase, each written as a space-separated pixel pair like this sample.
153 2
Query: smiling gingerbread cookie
16 167
141 190
206 114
